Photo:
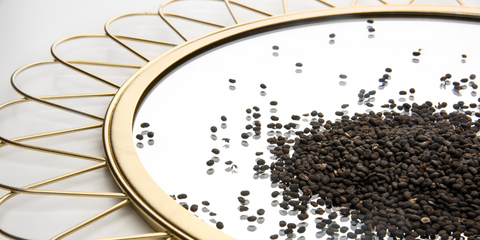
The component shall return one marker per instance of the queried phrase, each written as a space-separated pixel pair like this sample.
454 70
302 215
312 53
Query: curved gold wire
10 195
14 85
56 151
194 20
164 15
285 7
227 2
91 220
54 54
61 193
251 8
327 3
162 235
116 37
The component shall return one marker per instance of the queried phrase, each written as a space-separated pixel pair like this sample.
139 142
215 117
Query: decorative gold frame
167 218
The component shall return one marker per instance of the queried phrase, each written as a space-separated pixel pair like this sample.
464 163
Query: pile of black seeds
404 176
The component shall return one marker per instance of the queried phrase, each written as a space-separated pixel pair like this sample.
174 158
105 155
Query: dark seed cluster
406 176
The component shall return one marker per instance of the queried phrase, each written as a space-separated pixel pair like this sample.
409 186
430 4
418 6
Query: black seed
182 196
345 106
332 35
245 135
275 47
321 225
464 80
343 76
371 29
464 55
292 225
213 129
412 90
274 118
275 236
194 208
275 194
232 80
241 199
206 203
389 70
282 223
301 229
263 86
369 104
243 208
339 113
139 136
219 225
473 76
256 108
249 110
351 235
344 229
252 219
402 92
298 64
273 103
333 215
212 214
302 216
145 125
210 162
223 118
416 53
370 21
260 212
245 193
256 115
215 151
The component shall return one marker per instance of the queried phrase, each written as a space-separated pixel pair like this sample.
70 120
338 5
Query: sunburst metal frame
140 81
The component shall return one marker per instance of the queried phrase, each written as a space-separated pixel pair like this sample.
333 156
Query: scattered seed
215 151
182 196
219 225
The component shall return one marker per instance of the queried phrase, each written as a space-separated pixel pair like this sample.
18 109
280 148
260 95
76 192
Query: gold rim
150 200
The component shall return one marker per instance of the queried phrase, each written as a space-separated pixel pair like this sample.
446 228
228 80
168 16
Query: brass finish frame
178 223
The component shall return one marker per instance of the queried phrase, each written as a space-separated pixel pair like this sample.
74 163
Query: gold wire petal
116 38
91 220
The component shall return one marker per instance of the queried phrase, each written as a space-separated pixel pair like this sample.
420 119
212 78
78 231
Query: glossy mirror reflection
203 130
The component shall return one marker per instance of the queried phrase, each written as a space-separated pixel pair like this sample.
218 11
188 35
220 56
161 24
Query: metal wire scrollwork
47 100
